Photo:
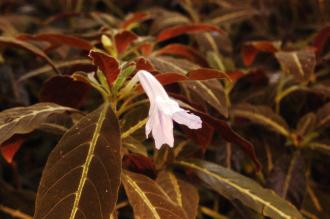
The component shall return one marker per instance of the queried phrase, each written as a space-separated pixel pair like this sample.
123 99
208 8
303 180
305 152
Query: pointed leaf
59 39
148 199
123 40
107 64
82 174
300 64
22 120
171 32
251 49
262 115
288 178
181 192
9 148
183 51
238 187
28 47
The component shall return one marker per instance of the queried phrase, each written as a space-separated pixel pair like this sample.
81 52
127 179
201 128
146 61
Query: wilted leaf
59 39
22 120
183 51
28 47
300 64
123 40
82 174
64 90
288 178
107 64
181 192
148 199
251 49
262 115
238 187
171 32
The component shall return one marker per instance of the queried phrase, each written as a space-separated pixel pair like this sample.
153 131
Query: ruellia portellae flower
163 111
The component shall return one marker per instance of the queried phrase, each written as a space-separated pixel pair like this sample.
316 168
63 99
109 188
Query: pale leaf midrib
89 158
142 195
33 113
264 119
296 60
243 190
208 91
176 188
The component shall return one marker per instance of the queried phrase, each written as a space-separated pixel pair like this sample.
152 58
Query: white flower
163 110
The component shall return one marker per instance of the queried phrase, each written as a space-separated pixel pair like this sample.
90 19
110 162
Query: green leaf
237 187
82 174
148 199
263 115
22 120
181 192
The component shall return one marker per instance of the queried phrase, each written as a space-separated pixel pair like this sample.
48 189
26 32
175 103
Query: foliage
72 120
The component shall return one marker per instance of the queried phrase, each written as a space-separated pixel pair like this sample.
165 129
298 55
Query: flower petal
151 86
188 119
162 129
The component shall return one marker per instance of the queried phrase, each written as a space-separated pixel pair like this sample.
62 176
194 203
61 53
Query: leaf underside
82 175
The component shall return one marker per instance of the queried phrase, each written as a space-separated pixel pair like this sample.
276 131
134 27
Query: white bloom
163 110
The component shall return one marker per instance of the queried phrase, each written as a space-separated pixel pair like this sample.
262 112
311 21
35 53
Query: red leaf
321 38
59 39
146 49
225 131
64 90
202 137
140 164
124 39
251 49
107 64
29 47
144 64
134 18
170 78
207 73
183 51
9 148
235 75
184 29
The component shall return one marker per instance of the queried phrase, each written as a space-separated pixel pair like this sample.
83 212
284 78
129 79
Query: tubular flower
163 110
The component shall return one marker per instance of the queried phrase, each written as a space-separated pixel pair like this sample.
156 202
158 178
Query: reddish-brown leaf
29 47
140 164
183 51
59 39
64 91
107 64
124 39
134 18
186 28
207 73
170 78
9 148
146 49
300 64
251 49
225 131
144 64
202 137
321 38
